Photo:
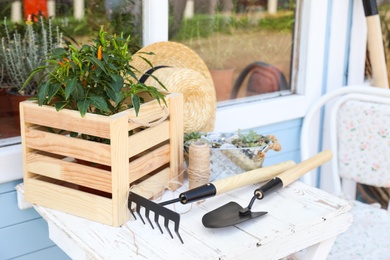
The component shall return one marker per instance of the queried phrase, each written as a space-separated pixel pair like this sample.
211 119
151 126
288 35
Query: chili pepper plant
95 78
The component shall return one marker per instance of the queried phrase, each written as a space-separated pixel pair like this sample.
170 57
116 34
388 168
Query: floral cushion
364 142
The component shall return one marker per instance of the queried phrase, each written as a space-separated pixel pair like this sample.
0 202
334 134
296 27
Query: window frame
308 73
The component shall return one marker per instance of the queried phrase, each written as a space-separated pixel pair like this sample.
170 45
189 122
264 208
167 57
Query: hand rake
205 191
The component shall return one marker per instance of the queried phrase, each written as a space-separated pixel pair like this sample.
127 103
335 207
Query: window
247 45
321 54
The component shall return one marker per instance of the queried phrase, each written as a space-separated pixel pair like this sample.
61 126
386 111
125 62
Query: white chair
359 137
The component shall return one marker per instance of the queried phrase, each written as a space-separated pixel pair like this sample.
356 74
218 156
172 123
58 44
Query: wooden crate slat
176 141
68 200
151 187
148 138
119 168
149 112
68 146
65 119
148 163
69 171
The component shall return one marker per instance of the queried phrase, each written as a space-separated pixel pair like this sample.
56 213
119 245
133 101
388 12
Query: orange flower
66 59
99 54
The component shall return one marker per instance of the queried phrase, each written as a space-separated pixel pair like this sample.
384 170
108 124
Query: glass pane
79 22
249 41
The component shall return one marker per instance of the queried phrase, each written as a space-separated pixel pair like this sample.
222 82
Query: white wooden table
299 217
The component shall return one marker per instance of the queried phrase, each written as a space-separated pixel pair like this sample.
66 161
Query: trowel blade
228 215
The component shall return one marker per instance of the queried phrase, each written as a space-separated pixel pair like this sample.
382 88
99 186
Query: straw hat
185 72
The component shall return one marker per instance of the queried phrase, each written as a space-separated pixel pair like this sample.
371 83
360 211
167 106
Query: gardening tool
232 213
202 192
375 44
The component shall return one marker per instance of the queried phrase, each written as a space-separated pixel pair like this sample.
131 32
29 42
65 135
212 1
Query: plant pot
4 103
223 82
14 100
145 160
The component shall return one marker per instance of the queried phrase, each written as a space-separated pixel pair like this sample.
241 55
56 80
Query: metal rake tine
147 211
131 211
176 219
138 210
156 221
177 233
166 222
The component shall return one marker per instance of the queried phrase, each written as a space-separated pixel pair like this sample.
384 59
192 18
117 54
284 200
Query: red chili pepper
99 54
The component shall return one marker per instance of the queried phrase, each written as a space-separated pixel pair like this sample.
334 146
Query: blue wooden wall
288 134
24 234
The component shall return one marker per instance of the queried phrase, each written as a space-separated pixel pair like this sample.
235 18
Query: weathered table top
298 217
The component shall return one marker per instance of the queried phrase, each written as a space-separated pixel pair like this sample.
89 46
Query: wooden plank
149 112
153 186
298 217
69 171
24 238
68 146
11 214
119 169
66 119
148 138
148 162
52 252
9 186
176 141
68 200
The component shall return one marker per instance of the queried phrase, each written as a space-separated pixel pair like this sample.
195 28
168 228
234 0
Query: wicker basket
227 159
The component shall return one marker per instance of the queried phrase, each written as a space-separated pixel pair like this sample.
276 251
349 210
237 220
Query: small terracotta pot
4 103
223 82
14 100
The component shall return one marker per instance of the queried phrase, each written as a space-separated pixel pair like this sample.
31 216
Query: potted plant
22 52
95 78
92 107
233 152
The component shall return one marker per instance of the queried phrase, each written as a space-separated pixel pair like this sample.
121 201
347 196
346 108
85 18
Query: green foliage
243 140
250 139
24 48
202 26
192 136
96 78
116 15
282 23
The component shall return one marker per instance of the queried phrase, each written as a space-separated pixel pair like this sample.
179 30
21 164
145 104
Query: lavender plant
21 54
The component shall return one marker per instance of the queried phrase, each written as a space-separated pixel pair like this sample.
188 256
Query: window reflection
247 44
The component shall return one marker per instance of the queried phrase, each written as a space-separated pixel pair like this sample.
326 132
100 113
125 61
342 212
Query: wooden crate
56 175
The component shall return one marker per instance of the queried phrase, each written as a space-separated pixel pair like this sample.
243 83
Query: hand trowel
232 213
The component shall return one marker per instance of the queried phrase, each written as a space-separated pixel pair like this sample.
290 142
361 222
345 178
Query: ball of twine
199 164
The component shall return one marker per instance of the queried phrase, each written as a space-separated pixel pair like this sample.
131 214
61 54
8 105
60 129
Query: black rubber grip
370 7
199 193
268 188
